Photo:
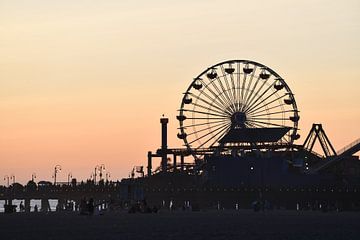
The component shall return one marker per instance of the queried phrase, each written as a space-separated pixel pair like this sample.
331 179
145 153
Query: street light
69 177
57 169
7 178
95 173
102 167
107 176
12 177
33 176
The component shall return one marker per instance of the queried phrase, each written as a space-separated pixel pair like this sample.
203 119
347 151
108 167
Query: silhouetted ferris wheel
237 103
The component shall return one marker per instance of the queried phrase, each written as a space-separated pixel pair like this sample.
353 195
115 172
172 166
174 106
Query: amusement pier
239 123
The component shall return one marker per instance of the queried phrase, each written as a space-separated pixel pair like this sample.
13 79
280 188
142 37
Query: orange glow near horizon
84 83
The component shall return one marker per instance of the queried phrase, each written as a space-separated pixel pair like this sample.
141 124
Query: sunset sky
85 82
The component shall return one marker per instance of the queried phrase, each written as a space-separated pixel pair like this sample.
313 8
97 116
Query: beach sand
228 224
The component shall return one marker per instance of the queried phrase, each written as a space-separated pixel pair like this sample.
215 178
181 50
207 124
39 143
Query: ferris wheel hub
238 119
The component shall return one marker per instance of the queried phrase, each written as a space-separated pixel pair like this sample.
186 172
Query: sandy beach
243 224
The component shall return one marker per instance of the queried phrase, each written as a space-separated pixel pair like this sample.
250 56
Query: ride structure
237 103
239 122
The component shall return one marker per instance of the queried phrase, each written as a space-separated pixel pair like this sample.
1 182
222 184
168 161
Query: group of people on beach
23 209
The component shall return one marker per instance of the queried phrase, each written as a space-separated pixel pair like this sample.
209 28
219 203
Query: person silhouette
22 208
91 206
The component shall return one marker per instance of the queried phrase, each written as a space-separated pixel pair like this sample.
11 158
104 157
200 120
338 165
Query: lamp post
57 169
95 173
7 178
33 176
107 176
69 177
102 167
12 177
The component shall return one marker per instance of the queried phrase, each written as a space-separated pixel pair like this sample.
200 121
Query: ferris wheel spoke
258 96
263 100
256 107
258 124
267 123
215 103
271 113
210 108
215 100
238 80
228 89
231 104
201 124
275 119
221 132
215 97
206 113
248 87
221 135
233 87
266 109
223 92
253 124
243 88
200 118
204 129
251 92
207 134
249 125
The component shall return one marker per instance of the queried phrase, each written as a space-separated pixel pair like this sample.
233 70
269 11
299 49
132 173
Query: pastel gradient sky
84 82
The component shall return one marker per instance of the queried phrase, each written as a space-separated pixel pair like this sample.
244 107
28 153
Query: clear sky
85 82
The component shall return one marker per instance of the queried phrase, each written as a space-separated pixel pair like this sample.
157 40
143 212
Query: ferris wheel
237 103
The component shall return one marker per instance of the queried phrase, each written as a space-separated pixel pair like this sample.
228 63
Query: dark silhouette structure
318 133
239 121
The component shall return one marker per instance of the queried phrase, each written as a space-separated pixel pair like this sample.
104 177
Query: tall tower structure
164 121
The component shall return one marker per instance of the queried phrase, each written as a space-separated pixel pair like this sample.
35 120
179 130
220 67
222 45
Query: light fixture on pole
101 169
33 176
57 169
107 176
69 178
95 173
7 178
12 177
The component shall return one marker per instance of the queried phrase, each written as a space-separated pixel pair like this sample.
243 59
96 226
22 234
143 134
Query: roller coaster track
346 151
350 149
